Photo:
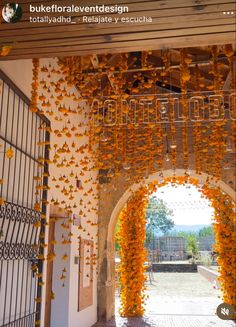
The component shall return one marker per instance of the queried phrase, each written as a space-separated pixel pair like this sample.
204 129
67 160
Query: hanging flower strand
35 85
133 255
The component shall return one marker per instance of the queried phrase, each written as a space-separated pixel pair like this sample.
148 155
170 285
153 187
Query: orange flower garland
124 142
218 133
35 85
184 78
132 236
133 255
141 146
5 50
52 95
197 127
225 236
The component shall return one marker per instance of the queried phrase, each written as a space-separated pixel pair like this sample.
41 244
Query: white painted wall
60 306
66 298
88 316
64 307
20 72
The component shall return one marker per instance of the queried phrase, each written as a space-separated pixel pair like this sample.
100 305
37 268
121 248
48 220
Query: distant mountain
184 228
187 228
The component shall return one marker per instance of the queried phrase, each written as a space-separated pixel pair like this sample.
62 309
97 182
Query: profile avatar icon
12 12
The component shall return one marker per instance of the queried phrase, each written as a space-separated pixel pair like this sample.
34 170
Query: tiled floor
176 300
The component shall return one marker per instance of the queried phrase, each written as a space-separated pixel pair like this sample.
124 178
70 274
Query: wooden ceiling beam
23 30
95 61
133 5
158 66
121 47
175 24
228 78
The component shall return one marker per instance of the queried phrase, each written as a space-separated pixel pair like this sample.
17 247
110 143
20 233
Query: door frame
55 213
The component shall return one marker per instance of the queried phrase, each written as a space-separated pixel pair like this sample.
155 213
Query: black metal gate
21 227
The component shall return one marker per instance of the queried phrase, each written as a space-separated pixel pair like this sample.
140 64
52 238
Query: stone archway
106 273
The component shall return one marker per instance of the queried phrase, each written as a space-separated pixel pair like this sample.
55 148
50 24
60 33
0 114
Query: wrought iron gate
20 231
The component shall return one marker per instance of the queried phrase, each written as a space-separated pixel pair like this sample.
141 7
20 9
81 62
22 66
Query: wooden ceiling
98 72
175 24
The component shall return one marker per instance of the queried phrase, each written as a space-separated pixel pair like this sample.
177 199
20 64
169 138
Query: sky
187 205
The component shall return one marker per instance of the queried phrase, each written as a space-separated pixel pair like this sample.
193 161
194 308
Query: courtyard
176 300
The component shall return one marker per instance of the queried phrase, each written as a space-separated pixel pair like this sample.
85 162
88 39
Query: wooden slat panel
112 39
157 23
171 14
175 24
82 32
83 2
150 11
184 41
131 4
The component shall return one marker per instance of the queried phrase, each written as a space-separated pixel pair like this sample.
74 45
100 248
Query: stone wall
210 275
174 267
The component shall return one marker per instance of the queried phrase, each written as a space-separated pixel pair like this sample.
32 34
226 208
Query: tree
158 218
192 244
206 231
117 245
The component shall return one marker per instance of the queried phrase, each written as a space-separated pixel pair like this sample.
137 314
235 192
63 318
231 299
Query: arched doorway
106 294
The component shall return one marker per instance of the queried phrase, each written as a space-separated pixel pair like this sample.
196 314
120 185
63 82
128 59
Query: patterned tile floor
176 300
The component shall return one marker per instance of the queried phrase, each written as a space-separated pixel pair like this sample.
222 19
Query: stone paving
176 300
168 321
